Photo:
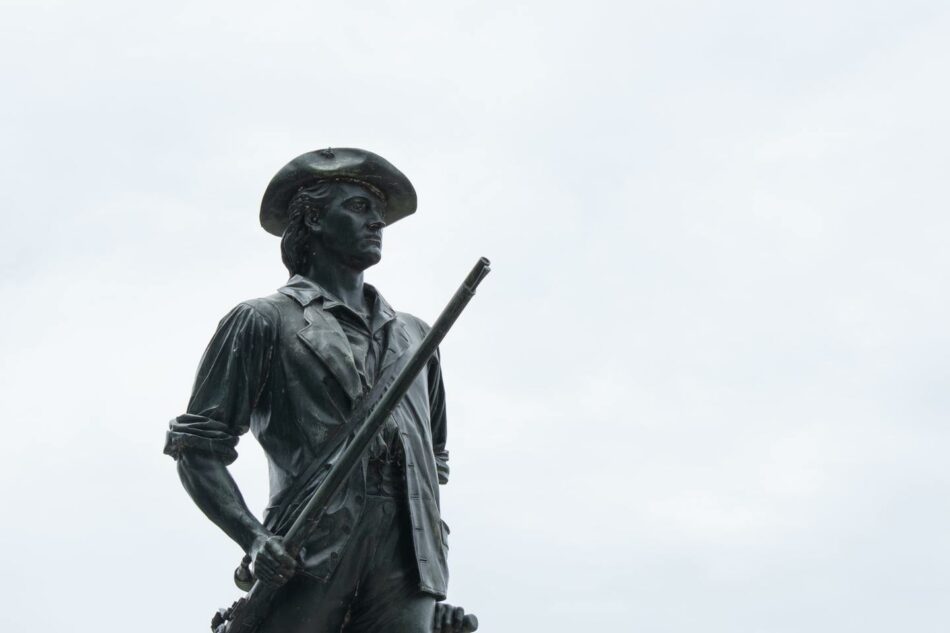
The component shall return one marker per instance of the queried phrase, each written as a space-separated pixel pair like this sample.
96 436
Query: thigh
407 614
389 599
305 605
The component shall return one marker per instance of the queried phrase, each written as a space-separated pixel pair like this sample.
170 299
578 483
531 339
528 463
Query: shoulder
418 329
267 308
261 315
413 323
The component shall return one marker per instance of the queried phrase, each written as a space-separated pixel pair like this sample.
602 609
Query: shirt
290 367
365 334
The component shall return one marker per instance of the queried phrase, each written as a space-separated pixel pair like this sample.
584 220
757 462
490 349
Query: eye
359 205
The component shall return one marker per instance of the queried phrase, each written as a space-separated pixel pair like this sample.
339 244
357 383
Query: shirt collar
305 291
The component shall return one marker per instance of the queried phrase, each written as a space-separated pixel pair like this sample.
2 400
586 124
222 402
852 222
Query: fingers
447 619
458 614
272 564
267 572
438 617
275 548
269 576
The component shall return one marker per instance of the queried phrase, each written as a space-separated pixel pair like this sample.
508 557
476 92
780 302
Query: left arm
437 418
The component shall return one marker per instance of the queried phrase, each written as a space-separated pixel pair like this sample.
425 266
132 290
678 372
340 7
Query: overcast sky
705 387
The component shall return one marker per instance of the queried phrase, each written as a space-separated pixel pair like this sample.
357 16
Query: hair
295 242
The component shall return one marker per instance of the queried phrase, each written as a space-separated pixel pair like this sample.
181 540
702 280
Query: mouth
372 239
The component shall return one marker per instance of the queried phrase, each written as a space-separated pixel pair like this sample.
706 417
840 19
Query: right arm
232 375
214 491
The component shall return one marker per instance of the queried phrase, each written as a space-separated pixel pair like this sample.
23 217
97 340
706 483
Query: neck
343 281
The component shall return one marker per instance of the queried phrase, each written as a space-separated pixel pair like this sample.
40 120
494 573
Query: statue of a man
289 367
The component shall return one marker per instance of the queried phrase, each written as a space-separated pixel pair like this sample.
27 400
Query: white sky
705 387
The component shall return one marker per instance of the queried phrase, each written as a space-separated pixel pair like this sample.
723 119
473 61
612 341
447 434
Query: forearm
213 490
442 466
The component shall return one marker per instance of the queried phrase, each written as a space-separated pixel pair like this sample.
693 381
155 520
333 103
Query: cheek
341 230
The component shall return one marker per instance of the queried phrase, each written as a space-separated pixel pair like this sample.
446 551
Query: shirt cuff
195 433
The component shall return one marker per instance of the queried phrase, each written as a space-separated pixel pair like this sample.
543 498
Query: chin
365 260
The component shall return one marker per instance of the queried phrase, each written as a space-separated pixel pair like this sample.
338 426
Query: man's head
345 164
337 220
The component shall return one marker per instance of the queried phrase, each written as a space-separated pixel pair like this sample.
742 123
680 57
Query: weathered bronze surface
292 368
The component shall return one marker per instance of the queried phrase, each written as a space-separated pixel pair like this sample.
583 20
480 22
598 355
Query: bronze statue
307 370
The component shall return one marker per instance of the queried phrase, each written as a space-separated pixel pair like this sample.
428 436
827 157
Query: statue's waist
386 477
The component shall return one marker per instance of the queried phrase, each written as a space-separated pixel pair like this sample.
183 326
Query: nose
376 225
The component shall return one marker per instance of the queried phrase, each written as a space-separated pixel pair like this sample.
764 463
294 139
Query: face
351 227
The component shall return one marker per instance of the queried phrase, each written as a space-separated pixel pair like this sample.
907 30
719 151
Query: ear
312 221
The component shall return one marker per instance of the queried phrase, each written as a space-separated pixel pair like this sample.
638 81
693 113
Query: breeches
374 589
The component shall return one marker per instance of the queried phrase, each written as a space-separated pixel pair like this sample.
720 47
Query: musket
369 415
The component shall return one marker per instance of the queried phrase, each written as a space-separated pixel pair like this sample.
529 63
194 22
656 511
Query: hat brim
337 163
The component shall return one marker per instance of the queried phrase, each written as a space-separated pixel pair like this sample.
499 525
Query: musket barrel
351 455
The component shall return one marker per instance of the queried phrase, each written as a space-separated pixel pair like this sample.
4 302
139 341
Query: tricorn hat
343 163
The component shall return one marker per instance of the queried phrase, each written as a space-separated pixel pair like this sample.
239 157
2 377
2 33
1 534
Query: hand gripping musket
369 415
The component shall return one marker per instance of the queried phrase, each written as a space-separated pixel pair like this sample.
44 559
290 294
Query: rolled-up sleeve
231 380
437 418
